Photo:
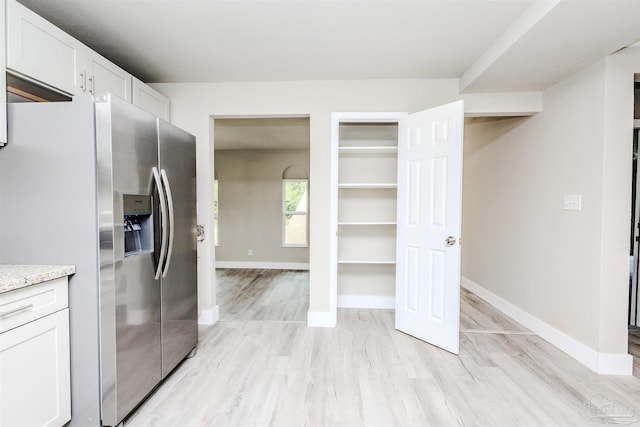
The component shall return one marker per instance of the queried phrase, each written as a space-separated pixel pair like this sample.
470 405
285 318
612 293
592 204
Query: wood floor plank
270 372
259 294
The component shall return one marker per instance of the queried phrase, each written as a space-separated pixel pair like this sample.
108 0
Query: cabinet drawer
32 302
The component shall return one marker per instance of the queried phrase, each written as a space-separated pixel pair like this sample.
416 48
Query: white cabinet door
429 222
3 80
104 76
38 50
149 99
35 372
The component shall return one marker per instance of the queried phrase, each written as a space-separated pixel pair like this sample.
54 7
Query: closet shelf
368 185
368 142
366 261
356 223
369 150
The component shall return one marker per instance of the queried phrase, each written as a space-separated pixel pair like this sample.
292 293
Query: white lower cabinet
34 357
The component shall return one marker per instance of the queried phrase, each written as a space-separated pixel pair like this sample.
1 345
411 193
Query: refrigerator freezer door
127 150
179 282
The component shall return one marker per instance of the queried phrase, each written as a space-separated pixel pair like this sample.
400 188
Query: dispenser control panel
138 224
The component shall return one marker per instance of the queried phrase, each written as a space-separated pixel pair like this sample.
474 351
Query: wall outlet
572 202
250 252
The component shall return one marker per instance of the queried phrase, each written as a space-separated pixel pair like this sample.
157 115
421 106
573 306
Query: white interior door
428 231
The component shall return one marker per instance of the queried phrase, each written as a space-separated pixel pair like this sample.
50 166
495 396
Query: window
295 212
215 212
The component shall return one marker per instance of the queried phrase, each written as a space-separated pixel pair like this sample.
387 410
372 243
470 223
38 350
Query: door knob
450 241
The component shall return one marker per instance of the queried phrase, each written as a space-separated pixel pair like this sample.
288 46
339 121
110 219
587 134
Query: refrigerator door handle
165 182
163 209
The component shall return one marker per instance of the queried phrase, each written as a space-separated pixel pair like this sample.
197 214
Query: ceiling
286 133
491 45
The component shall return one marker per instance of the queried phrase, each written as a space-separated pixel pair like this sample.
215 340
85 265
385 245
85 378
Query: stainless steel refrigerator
106 186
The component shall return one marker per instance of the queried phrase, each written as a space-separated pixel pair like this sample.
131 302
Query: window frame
285 213
216 212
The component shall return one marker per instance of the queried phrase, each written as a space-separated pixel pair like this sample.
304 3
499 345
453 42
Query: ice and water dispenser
138 224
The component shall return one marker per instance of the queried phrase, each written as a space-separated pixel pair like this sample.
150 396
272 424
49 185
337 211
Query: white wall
250 205
193 105
565 268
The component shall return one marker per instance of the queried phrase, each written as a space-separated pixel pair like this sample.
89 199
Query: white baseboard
263 265
602 363
209 316
615 364
366 301
321 319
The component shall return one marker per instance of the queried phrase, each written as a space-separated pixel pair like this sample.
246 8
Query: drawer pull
15 310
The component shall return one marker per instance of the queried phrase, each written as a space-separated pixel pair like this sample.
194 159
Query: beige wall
568 269
250 203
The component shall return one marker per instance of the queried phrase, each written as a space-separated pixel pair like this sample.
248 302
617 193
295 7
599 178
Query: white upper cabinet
38 50
147 98
3 82
103 76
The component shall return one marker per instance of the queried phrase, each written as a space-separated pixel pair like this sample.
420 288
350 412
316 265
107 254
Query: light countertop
18 276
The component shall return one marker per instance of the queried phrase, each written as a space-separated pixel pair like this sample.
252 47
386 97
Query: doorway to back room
261 213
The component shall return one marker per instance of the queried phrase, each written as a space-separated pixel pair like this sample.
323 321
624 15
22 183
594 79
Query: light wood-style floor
263 294
365 373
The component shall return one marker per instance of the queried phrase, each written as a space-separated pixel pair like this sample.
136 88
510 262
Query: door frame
213 176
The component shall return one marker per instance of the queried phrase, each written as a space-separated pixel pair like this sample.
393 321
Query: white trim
209 316
263 265
366 301
602 363
321 319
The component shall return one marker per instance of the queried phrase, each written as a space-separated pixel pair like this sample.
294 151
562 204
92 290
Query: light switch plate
572 202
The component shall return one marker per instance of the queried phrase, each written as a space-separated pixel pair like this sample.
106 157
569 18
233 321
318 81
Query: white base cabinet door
35 372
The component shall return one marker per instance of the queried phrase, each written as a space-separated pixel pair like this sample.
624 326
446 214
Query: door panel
179 283
429 213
